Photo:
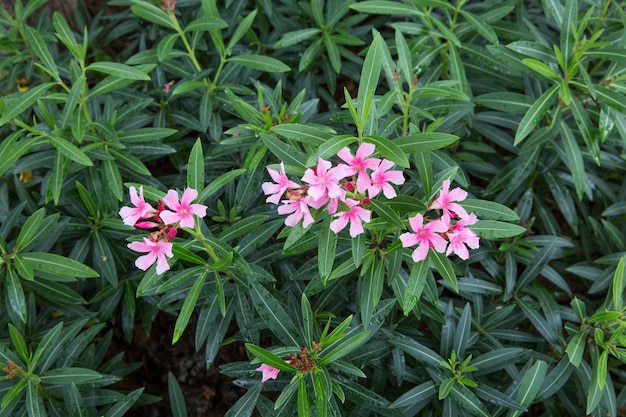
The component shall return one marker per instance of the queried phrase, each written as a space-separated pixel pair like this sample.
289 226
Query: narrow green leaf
490 210
491 229
245 405
574 159
68 375
385 7
70 151
529 385
342 349
119 70
420 393
370 73
445 268
576 347
195 167
188 307
260 62
303 400
482 27
295 37
535 114
330 148
389 150
415 286
16 103
371 290
19 343
206 24
315 135
541 68
425 141
284 151
35 41
152 14
176 397
241 30
218 183
15 295
166 44
268 358
326 250
274 315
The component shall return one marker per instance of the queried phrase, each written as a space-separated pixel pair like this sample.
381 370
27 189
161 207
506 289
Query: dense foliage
445 226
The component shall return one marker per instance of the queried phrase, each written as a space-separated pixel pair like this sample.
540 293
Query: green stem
197 234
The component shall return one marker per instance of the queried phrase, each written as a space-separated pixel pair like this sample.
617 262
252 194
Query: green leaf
370 73
385 7
482 27
119 70
445 268
535 114
122 405
415 286
34 401
389 150
16 103
69 375
46 346
176 397
308 320
330 148
497 359
166 44
342 349
446 387
205 24
315 135
576 347
30 230
425 141
284 151
35 40
58 265
185 254
274 315
326 250
421 393
114 178
152 13
218 183
372 283
491 229
19 343
295 37
268 358
195 167
529 385
416 350
303 400
69 150
15 295
489 210
243 226
15 393
574 159
241 30
11 150
260 62
245 405
386 212
188 307
568 29
541 68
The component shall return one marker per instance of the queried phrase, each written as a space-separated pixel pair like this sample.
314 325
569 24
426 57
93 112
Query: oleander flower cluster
447 234
165 221
344 189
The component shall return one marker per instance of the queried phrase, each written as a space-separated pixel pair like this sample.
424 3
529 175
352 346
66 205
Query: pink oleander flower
268 372
446 199
359 163
299 209
425 236
461 237
381 178
182 211
459 240
142 210
282 184
157 252
324 181
355 215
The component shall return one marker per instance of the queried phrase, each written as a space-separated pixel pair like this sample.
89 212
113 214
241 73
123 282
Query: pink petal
169 217
199 210
420 253
416 222
171 200
365 150
162 264
188 196
356 228
408 239
187 221
339 224
144 262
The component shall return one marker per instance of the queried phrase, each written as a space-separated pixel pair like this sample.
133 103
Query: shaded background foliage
533 90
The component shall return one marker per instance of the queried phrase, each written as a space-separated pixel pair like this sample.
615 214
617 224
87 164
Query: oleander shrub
402 208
